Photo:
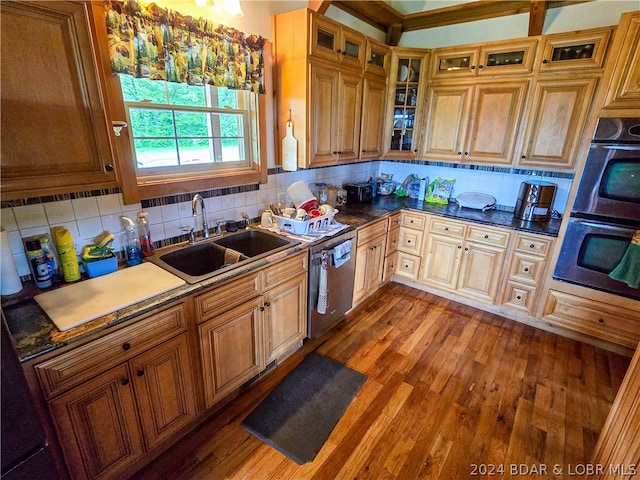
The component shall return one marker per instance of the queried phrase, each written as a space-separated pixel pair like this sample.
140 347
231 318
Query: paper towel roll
9 278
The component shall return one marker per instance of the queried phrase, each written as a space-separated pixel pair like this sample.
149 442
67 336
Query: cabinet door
376 272
346 128
98 426
285 316
480 271
374 97
446 121
323 114
568 51
369 267
55 135
231 349
164 389
556 120
501 58
377 58
360 283
454 62
442 261
624 88
497 109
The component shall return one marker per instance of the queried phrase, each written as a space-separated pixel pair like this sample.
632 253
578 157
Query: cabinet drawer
393 239
389 266
394 220
526 268
407 265
87 361
486 235
413 220
447 227
410 240
520 297
226 296
535 245
284 270
608 322
377 228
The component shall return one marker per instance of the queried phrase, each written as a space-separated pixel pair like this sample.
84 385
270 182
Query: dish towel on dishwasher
628 270
323 293
342 253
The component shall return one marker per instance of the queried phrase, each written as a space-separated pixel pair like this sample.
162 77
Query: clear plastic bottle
144 232
38 263
67 253
131 243
50 256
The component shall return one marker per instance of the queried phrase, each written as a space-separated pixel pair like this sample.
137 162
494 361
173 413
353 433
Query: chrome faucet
197 198
246 219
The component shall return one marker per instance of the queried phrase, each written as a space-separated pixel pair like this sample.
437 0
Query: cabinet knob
339 51
408 241
262 309
544 61
486 236
267 304
473 67
466 249
126 346
523 157
459 247
601 320
466 154
124 381
532 246
415 151
519 297
526 269
459 153
480 67
109 168
140 373
446 229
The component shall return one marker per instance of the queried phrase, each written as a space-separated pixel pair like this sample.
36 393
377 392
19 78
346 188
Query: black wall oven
606 211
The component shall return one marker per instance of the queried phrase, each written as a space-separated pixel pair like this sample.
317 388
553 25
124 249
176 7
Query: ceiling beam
376 13
536 17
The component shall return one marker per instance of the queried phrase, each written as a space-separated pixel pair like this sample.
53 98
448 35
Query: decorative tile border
487 168
186 197
57 198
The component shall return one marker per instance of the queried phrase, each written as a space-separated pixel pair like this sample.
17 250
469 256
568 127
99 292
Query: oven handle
615 146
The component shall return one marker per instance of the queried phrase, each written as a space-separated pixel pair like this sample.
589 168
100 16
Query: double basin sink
196 262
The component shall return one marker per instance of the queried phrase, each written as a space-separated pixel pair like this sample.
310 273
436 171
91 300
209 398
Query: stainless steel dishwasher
339 283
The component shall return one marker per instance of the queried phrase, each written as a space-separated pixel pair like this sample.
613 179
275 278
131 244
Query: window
180 130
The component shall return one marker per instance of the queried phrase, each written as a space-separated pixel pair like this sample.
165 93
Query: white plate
403 73
476 200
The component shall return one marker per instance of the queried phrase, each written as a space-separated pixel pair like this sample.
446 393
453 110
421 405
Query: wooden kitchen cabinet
114 399
337 43
407 80
465 258
335 115
56 128
377 59
475 123
374 99
231 349
493 58
581 50
391 247
410 240
557 114
370 254
623 91
527 266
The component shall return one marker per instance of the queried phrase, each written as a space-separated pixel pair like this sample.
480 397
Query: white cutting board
75 304
289 150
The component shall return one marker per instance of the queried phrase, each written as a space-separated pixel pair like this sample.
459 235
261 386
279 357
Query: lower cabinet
465 258
240 335
370 256
114 399
391 248
410 241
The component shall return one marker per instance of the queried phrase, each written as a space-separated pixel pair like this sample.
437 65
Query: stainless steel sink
196 262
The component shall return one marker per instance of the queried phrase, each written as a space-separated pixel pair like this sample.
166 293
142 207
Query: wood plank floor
452 393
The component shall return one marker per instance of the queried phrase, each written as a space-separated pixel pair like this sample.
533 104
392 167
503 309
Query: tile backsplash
89 218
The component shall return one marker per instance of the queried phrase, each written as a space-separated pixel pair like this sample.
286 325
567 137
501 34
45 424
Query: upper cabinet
576 50
56 132
496 58
407 81
332 41
623 90
331 83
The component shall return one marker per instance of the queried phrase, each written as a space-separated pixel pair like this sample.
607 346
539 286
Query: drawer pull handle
262 309
124 381
601 320
519 297
140 373
466 249
408 241
532 246
446 229
126 346
267 304
459 247
526 269
486 236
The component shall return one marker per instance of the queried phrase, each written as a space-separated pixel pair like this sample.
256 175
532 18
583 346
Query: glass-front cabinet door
569 51
377 58
333 42
407 84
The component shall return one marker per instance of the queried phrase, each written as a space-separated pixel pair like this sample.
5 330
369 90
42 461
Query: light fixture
230 8
118 126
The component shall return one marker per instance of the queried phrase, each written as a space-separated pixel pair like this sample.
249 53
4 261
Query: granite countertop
34 333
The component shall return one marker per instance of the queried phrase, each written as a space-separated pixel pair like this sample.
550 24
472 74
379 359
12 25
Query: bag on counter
439 191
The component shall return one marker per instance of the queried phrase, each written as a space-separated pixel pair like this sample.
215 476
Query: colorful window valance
147 41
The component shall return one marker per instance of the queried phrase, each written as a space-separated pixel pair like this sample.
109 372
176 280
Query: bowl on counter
386 187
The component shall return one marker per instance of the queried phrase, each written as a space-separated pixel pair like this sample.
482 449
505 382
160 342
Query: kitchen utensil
289 148
476 200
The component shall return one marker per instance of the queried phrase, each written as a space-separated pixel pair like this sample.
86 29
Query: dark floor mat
297 417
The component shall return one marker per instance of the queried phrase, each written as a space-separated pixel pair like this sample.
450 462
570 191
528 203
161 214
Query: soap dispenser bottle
131 243
144 232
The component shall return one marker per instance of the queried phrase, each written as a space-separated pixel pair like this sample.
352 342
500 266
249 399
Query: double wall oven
606 211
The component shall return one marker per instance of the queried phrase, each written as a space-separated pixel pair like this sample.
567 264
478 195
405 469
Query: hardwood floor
452 393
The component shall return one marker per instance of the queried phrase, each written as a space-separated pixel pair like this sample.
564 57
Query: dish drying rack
302 227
